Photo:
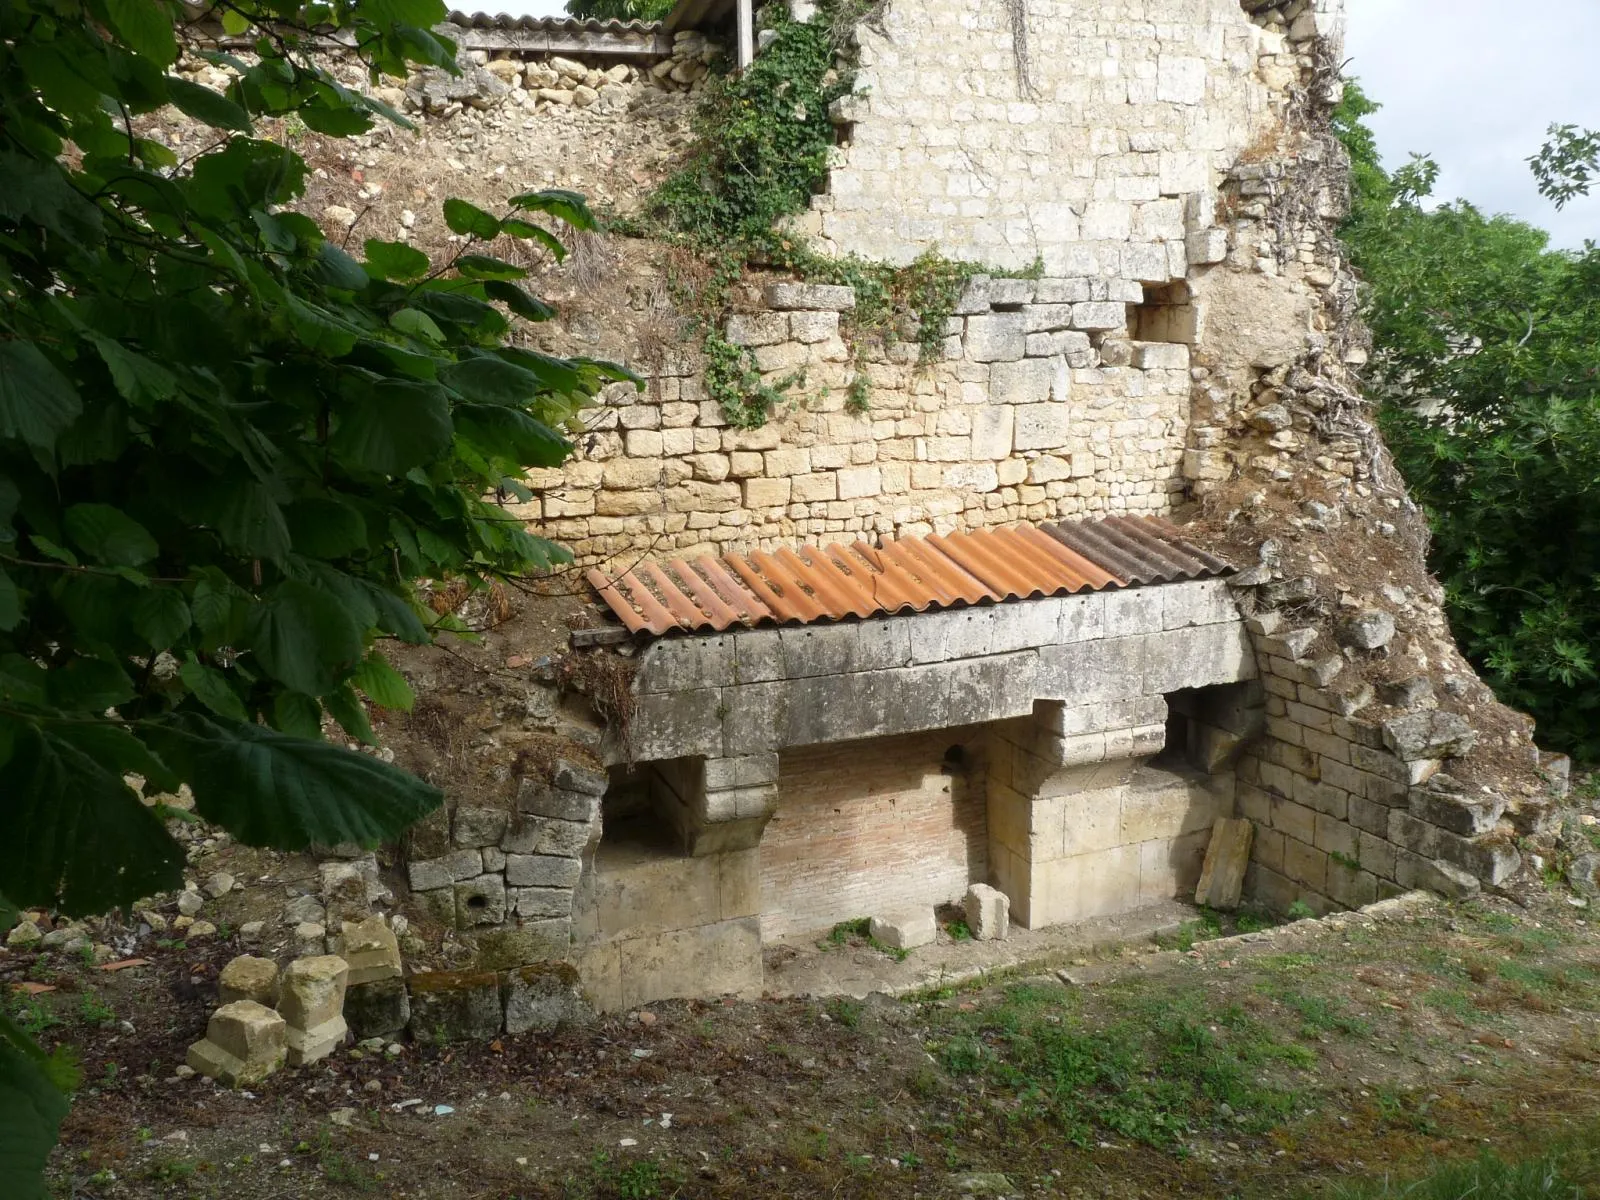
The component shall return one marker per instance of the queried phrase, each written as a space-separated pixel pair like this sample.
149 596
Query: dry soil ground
1274 1066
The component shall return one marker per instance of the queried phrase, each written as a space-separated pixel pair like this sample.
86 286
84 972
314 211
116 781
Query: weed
168 1169
1300 911
95 1011
845 1011
1455 1001
845 930
958 931
33 1015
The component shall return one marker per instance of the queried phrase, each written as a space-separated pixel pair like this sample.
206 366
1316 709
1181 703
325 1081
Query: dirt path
1262 1066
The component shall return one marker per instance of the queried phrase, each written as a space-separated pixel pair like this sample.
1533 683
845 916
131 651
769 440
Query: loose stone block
1429 735
542 996
453 1006
244 1043
249 978
312 1002
372 951
377 1009
988 912
904 930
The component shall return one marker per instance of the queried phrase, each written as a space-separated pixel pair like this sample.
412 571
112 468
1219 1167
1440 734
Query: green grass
1165 1065
1569 1172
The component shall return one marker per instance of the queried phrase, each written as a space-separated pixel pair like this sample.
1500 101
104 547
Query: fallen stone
453 1006
202 929
190 902
982 1183
310 939
1370 630
219 885
1227 856
249 978
372 951
304 910
377 1009
988 912
1429 735
904 930
25 933
1584 875
1414 693
245 1042
251 931
312 1002
345 895
542 996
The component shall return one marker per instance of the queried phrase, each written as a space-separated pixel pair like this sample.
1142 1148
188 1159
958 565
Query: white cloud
1476 83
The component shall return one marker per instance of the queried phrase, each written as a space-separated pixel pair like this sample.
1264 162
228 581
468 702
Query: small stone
251 931
249 978
1274 418
372 1085
339 215
988 912
184 1071
153 919
244 1043
343 1117
371 950
219 885
304 910
904 930
202 929
190 902
1584 875
1370 630
25 933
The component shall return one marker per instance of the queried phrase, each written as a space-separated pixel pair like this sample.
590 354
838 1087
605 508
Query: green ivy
733 382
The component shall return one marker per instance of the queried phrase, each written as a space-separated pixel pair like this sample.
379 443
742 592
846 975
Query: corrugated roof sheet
831 583
481 20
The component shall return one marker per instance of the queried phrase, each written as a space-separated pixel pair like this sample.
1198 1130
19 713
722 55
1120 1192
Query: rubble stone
988 912
249 978
311 1000
245 1042
904 930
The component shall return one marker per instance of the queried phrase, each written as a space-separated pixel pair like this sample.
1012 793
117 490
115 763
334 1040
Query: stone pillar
719 804
312 1003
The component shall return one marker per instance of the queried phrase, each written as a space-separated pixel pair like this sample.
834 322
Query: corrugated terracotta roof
506 21
831 583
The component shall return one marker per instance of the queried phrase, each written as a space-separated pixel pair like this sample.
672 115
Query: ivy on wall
764 139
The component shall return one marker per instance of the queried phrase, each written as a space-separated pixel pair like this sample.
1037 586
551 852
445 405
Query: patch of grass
844 1011
1567 1173
1457 1002
95 1011
32 1014
1319 1014
857 927
958 931
1203 928
1299 911
1403 1109
1167 1065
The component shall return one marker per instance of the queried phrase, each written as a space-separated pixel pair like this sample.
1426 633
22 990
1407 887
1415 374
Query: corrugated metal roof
506 21
831 583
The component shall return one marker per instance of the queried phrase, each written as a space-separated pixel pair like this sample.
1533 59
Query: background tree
1487 363
620 10
227 448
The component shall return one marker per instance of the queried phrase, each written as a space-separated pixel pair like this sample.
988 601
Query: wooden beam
609 635
747 33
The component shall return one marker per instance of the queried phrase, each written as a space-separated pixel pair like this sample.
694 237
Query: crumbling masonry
1182 346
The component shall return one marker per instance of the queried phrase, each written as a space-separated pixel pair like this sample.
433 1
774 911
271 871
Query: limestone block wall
1064 130
1042 406
873 826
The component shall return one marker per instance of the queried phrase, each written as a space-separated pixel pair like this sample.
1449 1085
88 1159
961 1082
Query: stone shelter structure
1030 599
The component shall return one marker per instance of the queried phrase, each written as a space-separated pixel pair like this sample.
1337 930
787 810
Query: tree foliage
228 446
620 10
1488 366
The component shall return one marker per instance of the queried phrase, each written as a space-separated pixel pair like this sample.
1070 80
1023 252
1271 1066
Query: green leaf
486 379
210 687
37 402
335 120
207 107
270 789
31 1111
386 686
89 685
304 638
10 603
77 837
137 378
528 307
234 22
536 233
337 269
417 324
325 528
346 708
50 550
484 266
464 218
390 428
146 25
109 535
297 714
245 516
394 260
160 616
565 205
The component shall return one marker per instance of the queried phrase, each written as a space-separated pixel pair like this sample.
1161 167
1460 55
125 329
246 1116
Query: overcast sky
1475 83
